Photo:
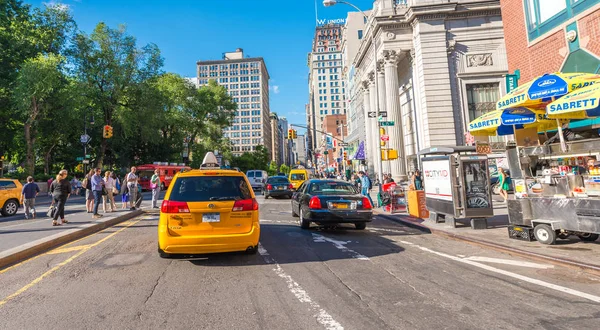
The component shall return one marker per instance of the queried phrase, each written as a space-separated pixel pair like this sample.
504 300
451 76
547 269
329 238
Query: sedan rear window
332 188
297 176
277 180
210 188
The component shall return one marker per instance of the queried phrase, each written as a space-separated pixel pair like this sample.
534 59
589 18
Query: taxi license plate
211 217
340 205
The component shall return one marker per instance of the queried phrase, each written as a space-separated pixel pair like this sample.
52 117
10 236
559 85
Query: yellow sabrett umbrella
580 104
505 122
545 89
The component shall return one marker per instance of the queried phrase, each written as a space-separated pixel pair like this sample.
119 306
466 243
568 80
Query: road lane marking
60 265
341 245
324 318
510 262
511 274
69 249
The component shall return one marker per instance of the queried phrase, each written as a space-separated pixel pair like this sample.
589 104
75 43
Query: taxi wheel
10 208
304 224
252 250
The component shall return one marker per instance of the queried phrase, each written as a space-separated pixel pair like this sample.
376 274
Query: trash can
416 204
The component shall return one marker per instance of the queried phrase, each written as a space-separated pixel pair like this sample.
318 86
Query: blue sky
190 30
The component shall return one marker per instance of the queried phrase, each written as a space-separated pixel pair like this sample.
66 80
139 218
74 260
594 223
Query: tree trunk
29 157
47 160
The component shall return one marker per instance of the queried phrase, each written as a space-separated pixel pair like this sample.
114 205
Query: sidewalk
22 238
572 251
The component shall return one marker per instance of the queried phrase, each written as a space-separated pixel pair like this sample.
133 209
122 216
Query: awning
360 153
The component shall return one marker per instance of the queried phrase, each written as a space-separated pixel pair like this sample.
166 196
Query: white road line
324 318
341 245
510 262
390 230
511 274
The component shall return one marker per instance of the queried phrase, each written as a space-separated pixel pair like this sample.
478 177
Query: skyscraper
247 81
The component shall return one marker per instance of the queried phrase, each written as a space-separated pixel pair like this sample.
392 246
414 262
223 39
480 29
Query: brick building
332 125
561 35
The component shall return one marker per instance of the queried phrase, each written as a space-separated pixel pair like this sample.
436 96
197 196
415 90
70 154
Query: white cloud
275 89
57 5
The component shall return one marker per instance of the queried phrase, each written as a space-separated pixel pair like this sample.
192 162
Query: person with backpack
366 185
89 196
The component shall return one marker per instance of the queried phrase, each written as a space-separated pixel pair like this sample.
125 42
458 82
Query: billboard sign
437 180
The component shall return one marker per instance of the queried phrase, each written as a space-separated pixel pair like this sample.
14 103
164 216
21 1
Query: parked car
257 178
330 202
10 196
277 186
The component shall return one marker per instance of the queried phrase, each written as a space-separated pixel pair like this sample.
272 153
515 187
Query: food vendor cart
456 184
557 193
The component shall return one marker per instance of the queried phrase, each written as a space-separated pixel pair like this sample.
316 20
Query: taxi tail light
174 207
315 203
269 187
366 203
245 205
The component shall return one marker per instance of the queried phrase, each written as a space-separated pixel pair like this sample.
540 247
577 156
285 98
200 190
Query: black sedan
330 202
277 186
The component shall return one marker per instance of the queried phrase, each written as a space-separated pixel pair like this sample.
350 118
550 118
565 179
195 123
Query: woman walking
89 196
124 194
109 184
504 182
61 190
417 180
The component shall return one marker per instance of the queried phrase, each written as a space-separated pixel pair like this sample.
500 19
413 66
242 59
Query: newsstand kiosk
457 186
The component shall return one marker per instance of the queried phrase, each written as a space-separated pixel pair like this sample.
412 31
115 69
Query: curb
28 250
503 248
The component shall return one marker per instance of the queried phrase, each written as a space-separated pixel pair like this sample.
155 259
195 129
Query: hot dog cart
456 183
557 193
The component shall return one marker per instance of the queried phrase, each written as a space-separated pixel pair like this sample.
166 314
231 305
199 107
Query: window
544 15
360 34
481 98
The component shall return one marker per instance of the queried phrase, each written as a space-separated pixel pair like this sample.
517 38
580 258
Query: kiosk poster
436 179
475 174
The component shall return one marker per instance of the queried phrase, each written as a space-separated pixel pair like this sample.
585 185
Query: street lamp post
85 143
329 3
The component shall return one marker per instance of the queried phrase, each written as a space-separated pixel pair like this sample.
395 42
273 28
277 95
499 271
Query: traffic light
345 155
294 135
107 132
290 134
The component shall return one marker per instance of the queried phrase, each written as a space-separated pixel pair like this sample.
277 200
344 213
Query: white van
257 178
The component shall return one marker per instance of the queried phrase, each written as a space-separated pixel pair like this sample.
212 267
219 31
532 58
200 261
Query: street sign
85 138
385 138
386 123
372 114
88 156
383 114
343 144
79 159
86 161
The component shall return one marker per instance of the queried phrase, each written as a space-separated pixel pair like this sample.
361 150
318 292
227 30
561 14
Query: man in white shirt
132 186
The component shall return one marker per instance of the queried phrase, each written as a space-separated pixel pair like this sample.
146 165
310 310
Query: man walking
155 185
97 186
365 184
132 183
28 195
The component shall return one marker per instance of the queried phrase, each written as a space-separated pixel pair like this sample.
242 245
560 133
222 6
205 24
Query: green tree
255 160
272 169
284 169
38 81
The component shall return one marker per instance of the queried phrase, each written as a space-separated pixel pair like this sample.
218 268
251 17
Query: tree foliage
255 160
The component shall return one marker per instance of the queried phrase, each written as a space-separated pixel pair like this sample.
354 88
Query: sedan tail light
174 207
366 203
315 203
291 186
245 205
269 187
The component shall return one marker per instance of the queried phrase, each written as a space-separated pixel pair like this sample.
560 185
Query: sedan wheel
360 225
304 224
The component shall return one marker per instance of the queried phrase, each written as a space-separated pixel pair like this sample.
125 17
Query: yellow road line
57 267
125 223
69 249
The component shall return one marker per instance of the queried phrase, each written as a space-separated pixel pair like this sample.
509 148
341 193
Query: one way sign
372 114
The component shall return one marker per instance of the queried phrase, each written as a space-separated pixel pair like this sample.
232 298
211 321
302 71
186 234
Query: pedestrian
28 195
49 185
417 180
97 190
89 196
132 187
504 182
109 185
75 185
61 190
124 193
155 186
365 184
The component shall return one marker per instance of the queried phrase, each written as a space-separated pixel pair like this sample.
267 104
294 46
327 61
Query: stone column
394 114
368 133
372 123
381 88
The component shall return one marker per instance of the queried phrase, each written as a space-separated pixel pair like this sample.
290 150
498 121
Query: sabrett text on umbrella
512 100
484 123
581 85
587 103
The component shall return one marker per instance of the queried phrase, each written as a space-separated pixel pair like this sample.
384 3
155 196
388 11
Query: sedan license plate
211 217
340 205
280 188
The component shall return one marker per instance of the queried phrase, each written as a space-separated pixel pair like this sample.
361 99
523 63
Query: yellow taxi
210 210
297 177
10 196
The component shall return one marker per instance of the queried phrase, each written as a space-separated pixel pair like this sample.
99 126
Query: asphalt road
385 277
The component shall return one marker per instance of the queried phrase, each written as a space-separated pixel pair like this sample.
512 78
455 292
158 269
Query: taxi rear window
297 176
210 188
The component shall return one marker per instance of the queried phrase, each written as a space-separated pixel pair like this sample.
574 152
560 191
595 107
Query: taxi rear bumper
209 243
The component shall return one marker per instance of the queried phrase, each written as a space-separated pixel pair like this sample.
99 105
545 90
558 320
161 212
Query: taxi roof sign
210 161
